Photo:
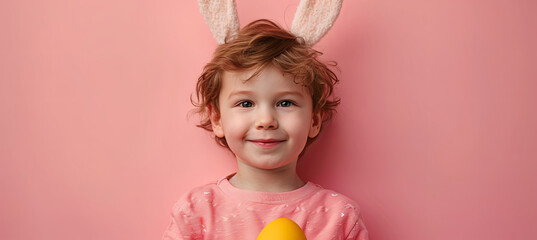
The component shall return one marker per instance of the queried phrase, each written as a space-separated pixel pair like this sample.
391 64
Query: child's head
259 46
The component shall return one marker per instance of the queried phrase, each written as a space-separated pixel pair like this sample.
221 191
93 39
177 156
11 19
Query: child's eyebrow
239 93
282 93
296 93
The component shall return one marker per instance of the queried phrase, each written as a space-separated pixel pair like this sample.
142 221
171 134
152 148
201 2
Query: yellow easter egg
282 229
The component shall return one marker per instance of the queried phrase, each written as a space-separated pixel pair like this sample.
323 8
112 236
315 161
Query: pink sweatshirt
220 211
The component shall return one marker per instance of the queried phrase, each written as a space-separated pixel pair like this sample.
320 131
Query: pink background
436 135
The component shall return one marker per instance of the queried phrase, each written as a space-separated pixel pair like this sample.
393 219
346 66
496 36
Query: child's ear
315 125
216 122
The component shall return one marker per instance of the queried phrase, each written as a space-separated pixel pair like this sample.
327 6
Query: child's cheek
297 124
236 127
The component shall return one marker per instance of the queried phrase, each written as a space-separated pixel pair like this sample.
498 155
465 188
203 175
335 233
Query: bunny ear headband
313 18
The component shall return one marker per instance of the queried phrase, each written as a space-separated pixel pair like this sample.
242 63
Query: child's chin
273 165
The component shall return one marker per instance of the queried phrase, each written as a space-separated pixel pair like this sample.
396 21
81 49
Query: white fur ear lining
313 18
221 16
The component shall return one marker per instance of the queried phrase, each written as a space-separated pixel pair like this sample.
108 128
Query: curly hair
257 45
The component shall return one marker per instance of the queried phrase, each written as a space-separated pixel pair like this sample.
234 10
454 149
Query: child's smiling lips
266 142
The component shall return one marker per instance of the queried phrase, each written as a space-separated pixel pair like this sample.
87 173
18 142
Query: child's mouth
266 143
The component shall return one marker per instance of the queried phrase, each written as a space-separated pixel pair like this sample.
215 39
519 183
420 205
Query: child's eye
245 104
286 103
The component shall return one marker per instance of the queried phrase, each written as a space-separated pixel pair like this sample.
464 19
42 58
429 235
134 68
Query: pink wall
436 136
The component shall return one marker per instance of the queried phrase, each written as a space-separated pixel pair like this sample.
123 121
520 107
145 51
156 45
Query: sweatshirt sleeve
172 232
359 231
185 224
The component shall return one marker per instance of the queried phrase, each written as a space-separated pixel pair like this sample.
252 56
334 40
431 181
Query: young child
265 96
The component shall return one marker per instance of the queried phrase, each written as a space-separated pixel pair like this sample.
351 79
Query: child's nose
266 120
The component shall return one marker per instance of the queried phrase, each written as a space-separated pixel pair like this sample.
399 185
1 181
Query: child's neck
262 180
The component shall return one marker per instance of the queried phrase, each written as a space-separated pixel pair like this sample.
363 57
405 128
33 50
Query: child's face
266 120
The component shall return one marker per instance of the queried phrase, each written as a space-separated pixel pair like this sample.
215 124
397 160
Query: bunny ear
313 18
221 16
